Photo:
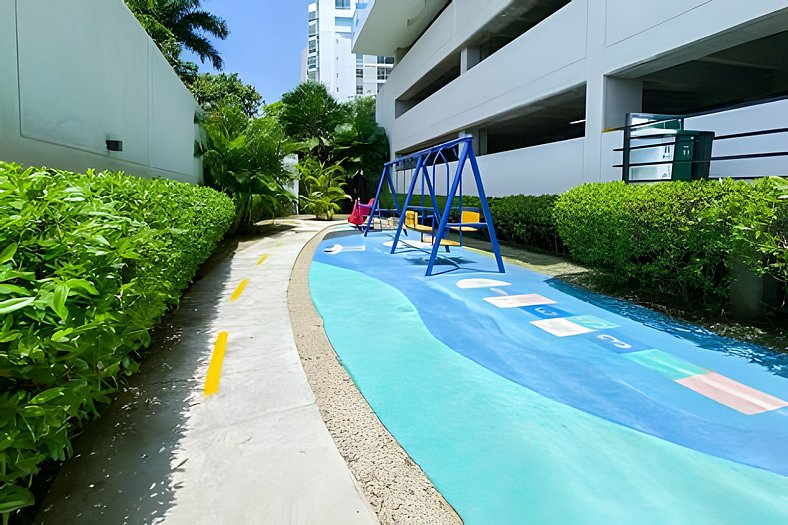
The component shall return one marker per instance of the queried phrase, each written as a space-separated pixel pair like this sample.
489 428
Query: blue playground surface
526 400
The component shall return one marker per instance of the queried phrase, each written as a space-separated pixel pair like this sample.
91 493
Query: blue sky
265 42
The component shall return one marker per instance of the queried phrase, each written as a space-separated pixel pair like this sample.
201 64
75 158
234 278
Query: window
312 75
311 62
359 73
313 45
312 29
386 60
359 90
359 59
383 73
312 15
342 4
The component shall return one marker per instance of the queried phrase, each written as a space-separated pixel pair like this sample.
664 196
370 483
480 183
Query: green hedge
89 263
762 236
677 237
526 220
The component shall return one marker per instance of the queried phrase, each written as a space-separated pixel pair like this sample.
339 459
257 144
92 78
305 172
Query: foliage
184 22
309 112
169 46
244 158
88 265
359 143
524 219
762 239
676 237
346 134
215 91
324 188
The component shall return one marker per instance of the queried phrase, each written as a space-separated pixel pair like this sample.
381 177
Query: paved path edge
395 486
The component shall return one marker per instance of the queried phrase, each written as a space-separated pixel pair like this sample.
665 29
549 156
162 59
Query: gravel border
395 486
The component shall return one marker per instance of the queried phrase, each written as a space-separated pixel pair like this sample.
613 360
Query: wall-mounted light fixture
114 145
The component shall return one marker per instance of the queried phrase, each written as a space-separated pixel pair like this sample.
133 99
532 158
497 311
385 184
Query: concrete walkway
255 451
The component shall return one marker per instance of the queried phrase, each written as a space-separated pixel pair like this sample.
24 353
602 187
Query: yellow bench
412 222
468 216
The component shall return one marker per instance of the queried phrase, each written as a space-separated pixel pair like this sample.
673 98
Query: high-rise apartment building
329 58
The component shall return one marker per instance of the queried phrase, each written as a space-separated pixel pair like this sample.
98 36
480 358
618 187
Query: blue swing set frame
426 159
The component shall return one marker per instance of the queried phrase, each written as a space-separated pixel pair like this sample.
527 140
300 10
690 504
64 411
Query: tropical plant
188 24
214 91
244 158
89 263
359 143
324 187
346 134
310 112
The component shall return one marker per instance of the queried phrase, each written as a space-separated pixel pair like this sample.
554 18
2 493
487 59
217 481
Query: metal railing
628 147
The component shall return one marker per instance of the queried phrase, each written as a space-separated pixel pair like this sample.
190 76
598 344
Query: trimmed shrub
676 237
89 263
523 219
527 220
762 239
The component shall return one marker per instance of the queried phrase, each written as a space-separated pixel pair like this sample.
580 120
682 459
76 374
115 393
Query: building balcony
384 26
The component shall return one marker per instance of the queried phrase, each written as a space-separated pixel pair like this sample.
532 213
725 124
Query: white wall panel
76 73
547 168
627 18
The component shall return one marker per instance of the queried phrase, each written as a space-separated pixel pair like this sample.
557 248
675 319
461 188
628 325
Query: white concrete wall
581 44
547 168
76 73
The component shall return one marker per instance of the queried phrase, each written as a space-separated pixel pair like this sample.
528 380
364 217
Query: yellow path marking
262 259
239 290
215 366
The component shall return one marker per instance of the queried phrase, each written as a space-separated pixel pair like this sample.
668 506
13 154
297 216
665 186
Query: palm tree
189 24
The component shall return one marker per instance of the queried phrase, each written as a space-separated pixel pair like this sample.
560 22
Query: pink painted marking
732 393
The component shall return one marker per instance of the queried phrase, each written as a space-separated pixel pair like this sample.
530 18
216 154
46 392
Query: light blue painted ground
501 452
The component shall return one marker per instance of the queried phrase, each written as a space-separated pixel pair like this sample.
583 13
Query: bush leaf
17 303
8 253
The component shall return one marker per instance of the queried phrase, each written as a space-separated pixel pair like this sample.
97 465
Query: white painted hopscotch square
517 301
480 283
561 327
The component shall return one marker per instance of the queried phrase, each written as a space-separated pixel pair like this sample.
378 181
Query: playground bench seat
444 242
470 221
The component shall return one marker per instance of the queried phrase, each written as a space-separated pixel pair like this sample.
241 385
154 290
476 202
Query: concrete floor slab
271 455
257 451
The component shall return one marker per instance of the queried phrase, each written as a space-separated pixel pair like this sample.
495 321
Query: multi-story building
544 86
329 58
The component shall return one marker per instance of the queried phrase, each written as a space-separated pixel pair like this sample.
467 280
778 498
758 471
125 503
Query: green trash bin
692 146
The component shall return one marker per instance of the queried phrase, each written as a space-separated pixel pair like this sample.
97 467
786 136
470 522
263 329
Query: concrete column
479 139
482 140
622 96
595 88
469 57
